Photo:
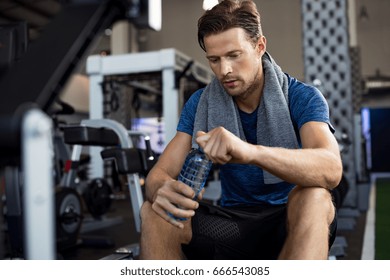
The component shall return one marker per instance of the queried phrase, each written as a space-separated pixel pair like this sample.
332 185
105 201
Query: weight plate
68 207
97 197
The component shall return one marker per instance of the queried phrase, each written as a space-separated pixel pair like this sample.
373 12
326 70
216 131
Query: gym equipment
340 192
61 57
129 160
98 197
97 194
2 236
104 132
27 131
27 137
169 65
68 217
334 71
124 253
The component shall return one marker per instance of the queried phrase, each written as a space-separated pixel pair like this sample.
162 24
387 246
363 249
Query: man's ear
262 45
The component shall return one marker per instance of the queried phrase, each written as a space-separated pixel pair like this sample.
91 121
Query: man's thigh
237 233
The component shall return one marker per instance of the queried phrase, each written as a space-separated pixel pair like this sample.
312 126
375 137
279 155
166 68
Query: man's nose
226 67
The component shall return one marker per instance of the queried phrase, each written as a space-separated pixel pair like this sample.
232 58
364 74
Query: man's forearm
305 167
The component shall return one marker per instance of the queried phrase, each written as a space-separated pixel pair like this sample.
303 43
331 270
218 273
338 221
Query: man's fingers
202 138
185 190
169 218
200 133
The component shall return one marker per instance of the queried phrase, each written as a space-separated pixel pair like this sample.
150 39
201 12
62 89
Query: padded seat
90 136
130 160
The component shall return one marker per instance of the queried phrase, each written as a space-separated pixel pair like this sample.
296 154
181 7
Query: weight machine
26 145
165 74
169 66
33 129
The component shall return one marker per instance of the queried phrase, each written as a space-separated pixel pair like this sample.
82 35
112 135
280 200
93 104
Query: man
271 137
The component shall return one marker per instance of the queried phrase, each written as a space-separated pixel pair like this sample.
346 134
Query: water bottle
195 170
194 173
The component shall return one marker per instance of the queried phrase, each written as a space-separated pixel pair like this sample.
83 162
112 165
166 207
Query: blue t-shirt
243 184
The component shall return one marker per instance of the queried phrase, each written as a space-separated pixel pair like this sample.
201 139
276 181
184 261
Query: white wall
280 20
374 36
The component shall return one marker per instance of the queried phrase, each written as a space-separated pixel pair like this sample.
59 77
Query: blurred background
137 62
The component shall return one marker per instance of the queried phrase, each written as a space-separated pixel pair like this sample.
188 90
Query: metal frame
136 196
332 66
38 197
60 56
166 61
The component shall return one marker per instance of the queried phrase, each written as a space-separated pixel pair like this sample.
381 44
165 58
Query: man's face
235 61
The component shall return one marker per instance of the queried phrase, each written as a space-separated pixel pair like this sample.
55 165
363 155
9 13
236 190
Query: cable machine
168 66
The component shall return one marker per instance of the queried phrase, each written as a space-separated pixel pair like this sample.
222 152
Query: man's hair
229 14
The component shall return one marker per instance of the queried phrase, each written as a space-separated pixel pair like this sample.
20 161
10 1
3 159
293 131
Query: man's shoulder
297 86
298 90
194 98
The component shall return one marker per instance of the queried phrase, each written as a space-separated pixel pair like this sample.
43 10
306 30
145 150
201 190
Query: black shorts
237 233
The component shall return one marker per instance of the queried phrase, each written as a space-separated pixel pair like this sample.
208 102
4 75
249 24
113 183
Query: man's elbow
335 174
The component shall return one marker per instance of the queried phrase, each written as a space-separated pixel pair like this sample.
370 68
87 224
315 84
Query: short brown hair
229 14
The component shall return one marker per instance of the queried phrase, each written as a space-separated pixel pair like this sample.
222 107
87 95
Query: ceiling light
208 4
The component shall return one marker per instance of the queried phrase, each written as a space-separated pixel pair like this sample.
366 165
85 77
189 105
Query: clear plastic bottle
195 170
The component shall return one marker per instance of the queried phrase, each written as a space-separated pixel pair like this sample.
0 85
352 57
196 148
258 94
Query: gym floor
354 239
115 230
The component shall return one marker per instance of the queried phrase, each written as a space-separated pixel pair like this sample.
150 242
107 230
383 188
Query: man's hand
221 146
176 198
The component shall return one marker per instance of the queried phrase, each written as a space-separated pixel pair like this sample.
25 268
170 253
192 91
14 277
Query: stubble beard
249 88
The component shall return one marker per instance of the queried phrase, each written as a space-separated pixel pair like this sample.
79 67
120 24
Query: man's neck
249 102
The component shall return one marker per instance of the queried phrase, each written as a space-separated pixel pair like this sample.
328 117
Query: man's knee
151 222
149 218
312 195
311 200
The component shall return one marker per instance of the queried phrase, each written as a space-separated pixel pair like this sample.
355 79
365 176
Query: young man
271 137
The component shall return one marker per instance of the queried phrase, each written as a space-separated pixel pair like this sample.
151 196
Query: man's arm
318 163
163 190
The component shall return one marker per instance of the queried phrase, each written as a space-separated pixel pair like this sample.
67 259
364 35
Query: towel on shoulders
274 126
